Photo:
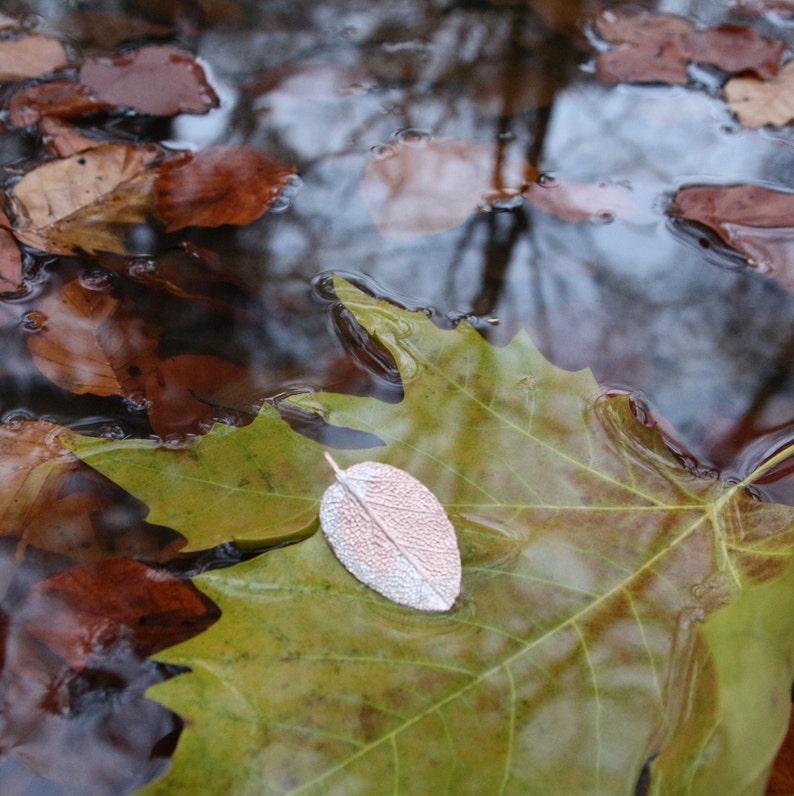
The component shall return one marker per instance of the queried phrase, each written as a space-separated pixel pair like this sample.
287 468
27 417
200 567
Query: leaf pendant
389 531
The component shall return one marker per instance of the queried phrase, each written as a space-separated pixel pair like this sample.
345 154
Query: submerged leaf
390 532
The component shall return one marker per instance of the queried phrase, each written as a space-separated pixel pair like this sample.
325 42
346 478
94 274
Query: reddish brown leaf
157 80
10 258
579 201
82 612
180 393
734 49
638 27
83 346
220 185
30 56
757 222
65 99
85 202
659 47
648 62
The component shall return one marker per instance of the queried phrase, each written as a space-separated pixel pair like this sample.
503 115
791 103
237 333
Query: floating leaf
156 80
60 98
10 258
219 185
592 566
758 102
390 532
85 202
30 56
659 47
753 220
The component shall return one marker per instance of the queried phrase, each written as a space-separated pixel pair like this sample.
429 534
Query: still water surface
651 307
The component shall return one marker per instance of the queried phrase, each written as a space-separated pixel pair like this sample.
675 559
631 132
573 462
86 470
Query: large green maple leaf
614 614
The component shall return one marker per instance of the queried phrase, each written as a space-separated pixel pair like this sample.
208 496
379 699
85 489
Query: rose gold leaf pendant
389 531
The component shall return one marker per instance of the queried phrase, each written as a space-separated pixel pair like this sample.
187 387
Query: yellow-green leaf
578 658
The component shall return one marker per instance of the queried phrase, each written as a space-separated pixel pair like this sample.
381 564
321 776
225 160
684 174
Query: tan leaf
158 80
85 202
422 187
83 348
30 56
758 102
219 185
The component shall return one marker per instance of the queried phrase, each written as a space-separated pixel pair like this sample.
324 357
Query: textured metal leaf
389 531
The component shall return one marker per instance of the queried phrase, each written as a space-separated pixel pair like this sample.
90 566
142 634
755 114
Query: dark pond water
659 309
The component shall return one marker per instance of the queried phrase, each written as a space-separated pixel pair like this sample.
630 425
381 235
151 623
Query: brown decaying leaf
180 392
64 99
83 348
10 258
658 48
82 612
758 102
580 201
755 221
219 185
156 80
30 56
87 201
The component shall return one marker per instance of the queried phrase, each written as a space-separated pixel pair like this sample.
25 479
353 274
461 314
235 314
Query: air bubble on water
33 321
604 216
284 197
505 136
383 151
548 181
412 135
97 279
16 416
141 267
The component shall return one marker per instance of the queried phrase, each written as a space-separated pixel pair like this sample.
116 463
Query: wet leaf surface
59 98
751 219
30 56
760 102
219 185
587 551
659 48
158 80
86 202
